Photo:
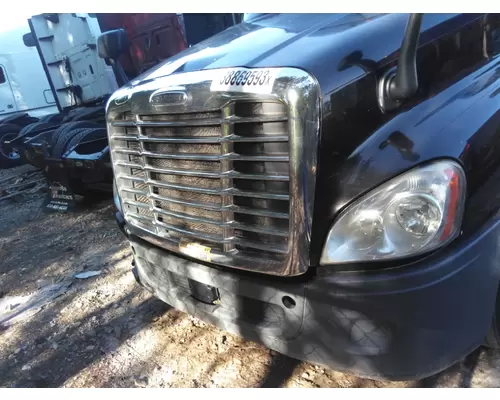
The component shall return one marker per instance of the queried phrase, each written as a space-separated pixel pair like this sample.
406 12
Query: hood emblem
122 99
169 97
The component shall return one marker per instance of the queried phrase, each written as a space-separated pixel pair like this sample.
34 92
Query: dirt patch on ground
106 331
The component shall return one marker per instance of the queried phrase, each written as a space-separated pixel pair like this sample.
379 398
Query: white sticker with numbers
245 80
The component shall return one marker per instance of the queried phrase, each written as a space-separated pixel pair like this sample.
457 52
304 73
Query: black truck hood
335 48
317 43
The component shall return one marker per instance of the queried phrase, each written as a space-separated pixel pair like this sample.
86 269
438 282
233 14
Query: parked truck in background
327 185
25 93
70 145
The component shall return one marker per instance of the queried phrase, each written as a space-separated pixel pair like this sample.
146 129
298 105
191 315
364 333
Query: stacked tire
19 119
17 125
71 133
9 155
70 129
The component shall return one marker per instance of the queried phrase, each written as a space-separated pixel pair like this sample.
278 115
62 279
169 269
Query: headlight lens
413 213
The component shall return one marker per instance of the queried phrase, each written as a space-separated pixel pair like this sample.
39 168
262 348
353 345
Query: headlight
116 198
413 213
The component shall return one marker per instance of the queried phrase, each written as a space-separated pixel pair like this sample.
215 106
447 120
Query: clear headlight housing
416 212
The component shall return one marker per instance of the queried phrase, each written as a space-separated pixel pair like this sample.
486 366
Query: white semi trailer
25 92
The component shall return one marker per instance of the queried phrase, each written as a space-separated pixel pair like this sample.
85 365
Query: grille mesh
223 183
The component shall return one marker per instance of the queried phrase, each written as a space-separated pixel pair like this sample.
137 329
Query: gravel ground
106 331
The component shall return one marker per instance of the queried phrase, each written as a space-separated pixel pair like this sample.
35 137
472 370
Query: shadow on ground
108 331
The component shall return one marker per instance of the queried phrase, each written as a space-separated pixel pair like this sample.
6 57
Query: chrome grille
233 170
219 178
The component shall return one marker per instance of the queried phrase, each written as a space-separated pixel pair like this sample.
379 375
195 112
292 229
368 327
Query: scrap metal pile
18 182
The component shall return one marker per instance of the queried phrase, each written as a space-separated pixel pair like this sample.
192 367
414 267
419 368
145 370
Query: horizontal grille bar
257 212
206 174
275 248
204 139
207 206
201 157
138 192
229 191
232 224
202 122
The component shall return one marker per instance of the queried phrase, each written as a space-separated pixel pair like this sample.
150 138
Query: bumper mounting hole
288 302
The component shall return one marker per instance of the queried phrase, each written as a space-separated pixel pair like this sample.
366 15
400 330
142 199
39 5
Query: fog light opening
288 302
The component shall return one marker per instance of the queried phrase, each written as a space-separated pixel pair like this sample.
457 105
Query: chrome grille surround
131 130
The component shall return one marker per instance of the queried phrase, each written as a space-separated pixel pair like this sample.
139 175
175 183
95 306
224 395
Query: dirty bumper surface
387 325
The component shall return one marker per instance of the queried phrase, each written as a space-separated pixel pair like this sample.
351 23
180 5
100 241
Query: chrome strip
204 174
234 260
205 206
201 157
201 122
228 224
208 140
225 191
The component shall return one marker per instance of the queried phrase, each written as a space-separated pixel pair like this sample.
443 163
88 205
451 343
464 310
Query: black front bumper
403 323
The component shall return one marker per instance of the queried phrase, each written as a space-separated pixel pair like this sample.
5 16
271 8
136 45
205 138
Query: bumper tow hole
288 302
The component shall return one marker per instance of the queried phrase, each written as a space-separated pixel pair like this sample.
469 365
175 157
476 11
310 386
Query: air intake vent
218 178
